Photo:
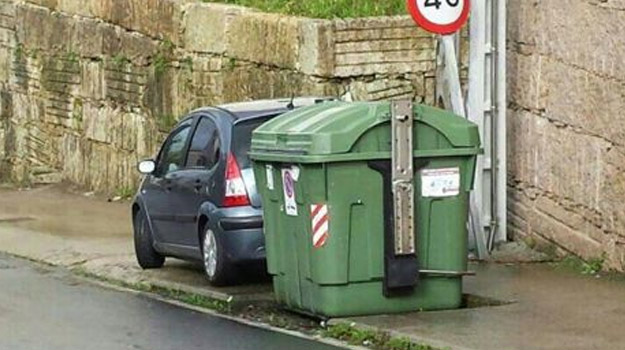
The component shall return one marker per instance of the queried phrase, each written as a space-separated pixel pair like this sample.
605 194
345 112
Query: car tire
147 256
217 268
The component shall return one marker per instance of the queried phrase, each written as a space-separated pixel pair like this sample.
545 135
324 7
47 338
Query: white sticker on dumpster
269 175
288 181
438 183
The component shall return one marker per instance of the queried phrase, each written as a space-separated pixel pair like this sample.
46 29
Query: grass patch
182 296
125 192
372 339
326 8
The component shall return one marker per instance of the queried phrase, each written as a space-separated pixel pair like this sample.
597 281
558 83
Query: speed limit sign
440 16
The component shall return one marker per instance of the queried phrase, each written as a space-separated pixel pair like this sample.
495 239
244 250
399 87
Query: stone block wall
566 114
89 87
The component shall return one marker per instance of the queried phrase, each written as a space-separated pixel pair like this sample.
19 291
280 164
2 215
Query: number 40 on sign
440 16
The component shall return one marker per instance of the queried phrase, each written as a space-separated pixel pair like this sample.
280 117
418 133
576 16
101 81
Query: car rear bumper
244 246
241 232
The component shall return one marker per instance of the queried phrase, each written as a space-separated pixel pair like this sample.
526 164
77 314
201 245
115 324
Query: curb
415 338
240 320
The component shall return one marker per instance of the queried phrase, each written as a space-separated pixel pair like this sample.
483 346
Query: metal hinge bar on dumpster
403 176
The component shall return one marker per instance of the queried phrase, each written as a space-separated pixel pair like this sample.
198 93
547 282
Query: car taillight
236 193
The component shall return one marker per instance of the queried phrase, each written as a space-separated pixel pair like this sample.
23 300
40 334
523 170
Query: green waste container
324 207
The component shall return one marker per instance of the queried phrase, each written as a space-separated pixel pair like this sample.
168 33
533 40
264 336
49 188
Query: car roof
259 108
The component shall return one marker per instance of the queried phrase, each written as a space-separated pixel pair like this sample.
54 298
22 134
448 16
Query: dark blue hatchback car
198 200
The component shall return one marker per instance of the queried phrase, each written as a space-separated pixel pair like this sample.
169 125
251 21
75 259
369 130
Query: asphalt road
49 309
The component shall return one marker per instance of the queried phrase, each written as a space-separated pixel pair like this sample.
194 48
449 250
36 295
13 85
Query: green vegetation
125 192
120 60
232 64
77 110
163 58
72 56
19 52
373 339
166 122
184 297
590 267
161 63
326 8
187 64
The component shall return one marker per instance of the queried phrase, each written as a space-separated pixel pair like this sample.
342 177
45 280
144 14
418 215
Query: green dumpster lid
334 128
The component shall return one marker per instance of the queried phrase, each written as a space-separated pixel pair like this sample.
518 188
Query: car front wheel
147 256
216 265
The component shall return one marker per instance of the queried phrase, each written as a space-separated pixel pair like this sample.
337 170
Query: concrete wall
88 87
567 125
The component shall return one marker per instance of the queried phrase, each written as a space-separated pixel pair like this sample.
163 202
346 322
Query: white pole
501 137
475 107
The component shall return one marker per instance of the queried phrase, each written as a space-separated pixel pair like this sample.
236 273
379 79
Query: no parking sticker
289 176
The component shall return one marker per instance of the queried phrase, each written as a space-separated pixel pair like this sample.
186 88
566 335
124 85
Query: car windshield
242 139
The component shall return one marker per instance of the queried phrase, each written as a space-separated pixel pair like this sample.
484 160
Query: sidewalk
52 225
548 309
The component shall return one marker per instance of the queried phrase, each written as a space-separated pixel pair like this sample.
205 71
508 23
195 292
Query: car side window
172 155
205 149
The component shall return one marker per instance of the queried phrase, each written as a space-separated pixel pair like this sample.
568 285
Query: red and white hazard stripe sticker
320 224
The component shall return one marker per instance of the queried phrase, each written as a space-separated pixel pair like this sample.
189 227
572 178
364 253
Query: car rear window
242 139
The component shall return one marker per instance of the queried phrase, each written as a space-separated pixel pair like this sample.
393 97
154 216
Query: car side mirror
147 167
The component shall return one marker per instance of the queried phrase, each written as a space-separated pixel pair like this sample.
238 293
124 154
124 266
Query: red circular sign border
437 28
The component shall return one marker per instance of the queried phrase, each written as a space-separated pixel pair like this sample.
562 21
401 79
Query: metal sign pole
446 17
487 108
449 92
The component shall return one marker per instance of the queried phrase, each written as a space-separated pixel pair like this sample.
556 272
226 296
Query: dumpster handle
447 273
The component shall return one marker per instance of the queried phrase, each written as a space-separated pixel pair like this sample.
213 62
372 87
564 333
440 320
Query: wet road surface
49 309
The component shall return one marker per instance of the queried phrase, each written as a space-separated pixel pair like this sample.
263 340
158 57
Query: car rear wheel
147 256
216 265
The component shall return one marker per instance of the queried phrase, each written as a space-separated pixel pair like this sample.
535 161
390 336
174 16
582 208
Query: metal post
448 78
476 105
449 91
486 106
